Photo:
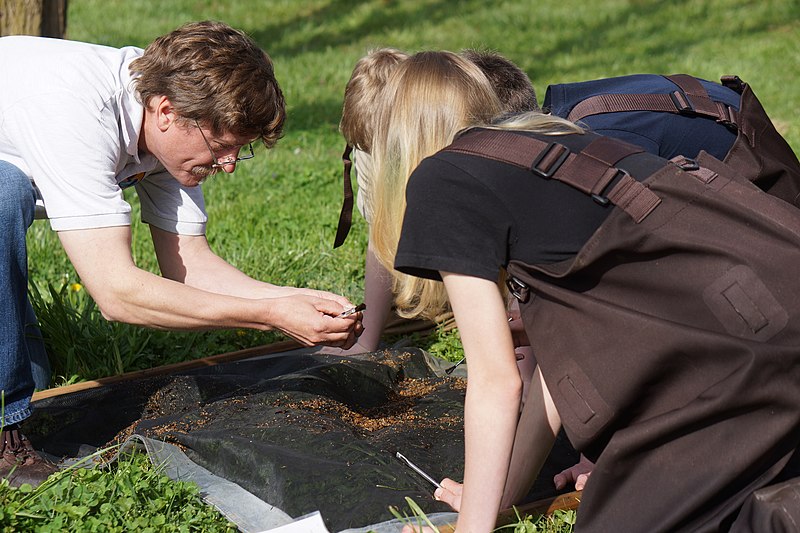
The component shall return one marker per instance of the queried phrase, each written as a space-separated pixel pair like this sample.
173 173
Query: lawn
275 218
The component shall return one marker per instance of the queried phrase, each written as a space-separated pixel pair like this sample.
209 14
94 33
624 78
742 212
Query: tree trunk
47 18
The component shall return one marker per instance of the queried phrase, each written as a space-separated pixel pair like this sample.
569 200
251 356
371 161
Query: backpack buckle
685 163
682 103
518 289
733 82
550 160
730 118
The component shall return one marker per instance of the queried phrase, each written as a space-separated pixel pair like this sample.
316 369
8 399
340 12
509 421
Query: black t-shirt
471 215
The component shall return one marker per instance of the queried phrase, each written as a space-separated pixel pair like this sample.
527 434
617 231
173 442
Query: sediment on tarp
301 432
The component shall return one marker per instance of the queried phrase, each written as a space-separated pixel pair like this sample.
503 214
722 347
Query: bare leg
536 432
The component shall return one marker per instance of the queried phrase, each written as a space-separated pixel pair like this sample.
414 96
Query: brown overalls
671 342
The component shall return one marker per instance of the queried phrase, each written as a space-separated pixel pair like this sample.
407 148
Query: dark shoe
19 462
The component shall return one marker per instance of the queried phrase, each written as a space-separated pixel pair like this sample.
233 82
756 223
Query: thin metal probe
449 371
353 310
418 470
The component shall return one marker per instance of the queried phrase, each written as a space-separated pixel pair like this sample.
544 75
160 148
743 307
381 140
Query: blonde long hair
429 98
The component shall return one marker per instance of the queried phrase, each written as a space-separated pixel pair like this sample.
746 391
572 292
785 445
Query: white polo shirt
69 119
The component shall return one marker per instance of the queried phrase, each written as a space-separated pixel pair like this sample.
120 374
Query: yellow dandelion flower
75 287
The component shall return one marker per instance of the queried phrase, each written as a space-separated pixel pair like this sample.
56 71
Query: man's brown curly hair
216 75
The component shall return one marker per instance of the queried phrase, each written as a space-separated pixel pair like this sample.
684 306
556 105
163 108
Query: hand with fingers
313 320
450 493
578 474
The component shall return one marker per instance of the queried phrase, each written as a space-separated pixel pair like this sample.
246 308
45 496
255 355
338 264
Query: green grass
559 521
275 218
129 494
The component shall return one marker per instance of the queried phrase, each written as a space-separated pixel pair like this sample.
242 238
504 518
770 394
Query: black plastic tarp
301 431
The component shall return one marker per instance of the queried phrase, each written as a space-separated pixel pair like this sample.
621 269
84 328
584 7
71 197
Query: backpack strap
692 99
591 171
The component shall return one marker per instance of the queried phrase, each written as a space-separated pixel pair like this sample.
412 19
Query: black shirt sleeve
453 223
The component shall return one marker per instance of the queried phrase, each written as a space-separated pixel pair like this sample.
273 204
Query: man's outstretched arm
199 290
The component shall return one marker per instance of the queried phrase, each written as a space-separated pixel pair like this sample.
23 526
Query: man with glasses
81 122
221 162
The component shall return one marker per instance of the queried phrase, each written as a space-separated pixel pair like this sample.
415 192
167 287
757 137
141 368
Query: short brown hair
512 85
359 111
216 75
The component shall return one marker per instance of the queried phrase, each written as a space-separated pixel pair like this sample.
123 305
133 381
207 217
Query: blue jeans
23 361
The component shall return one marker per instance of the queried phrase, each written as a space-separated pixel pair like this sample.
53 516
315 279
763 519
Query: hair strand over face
427 100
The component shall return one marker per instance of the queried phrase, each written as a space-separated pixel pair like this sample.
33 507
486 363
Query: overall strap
692 99
346 214
591 171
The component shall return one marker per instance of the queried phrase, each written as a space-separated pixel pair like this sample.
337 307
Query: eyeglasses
229 160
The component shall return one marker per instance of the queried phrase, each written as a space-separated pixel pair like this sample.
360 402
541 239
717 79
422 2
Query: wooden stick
169 369
395 326
547 506
562 502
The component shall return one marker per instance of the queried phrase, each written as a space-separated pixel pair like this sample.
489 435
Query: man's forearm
129 294
145 299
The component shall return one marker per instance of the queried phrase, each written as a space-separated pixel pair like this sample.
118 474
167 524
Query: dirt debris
404 407
398 411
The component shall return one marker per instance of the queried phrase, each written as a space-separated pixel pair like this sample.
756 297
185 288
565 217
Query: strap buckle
730 118
685 163
552 158
733 82
682 103
599 197
602 200
518 289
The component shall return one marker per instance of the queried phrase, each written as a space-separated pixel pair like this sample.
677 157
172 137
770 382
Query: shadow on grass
383 17
640 32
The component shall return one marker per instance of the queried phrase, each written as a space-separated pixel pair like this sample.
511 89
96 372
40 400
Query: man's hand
278 292
312 320
577 474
